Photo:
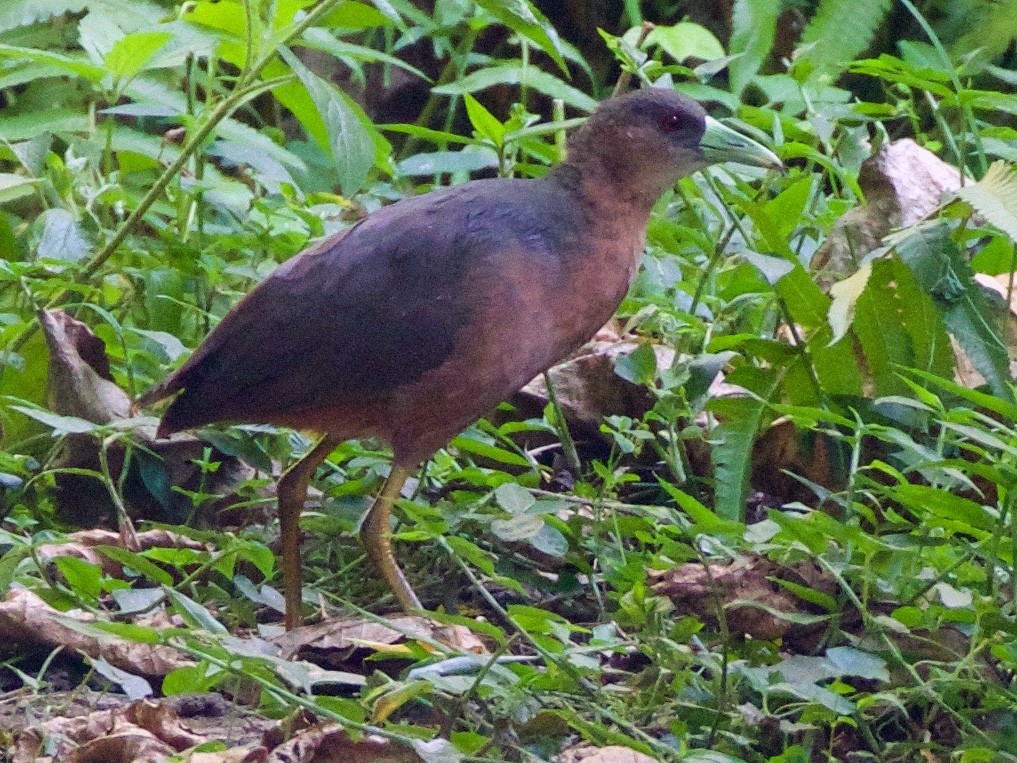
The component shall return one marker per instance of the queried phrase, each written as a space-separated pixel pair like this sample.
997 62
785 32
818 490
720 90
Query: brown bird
426 314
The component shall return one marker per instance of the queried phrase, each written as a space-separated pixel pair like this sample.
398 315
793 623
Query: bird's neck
615 213
616 226
611 188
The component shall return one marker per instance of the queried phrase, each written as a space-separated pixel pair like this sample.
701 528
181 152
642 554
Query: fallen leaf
588 388
337 640
25 619
80 382
81 386
331 744
612 754
141 731
82 545
753 603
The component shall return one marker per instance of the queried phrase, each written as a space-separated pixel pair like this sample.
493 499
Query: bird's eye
672 123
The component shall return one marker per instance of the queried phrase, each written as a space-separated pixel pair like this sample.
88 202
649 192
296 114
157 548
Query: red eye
672 123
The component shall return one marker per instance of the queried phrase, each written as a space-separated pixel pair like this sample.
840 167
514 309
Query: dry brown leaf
784 447
162 721
81 545
146 731
338 635
92 729
25 619
80 385
331 744
587 388
233 755
696 589
80 382
613 754
125 747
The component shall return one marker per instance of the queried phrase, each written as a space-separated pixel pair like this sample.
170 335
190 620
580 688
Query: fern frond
994 197
840 31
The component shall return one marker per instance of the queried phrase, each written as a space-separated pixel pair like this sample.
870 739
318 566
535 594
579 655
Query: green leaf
483 121
472 553
60 425
515 74
350 144
139 634
819 694
924 499
83 577
740 419
195 615
24 379
839 31
513 497
14 186
771 268
753 24
15 13
980 399
470 159
854 662
639 366
523 18
706 521
787 208
131 53
805 593
135 687
192 679
10 562
352 15
477 447
518 528
550 540
76 65
893 69
136 562
32 153
61 237
32 123
898 324
977 323
320 39
686 40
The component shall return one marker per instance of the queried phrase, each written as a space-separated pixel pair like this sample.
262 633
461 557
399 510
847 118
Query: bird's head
647 140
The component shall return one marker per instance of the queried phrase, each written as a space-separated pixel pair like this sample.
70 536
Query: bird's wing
349 320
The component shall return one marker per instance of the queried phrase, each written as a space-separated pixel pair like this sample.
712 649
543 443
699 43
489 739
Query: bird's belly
535 319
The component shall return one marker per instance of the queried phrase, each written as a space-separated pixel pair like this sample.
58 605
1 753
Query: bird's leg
378 544
292 494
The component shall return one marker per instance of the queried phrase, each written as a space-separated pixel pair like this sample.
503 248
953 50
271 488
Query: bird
427 313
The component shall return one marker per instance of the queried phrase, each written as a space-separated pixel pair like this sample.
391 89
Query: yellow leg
292 494
378 544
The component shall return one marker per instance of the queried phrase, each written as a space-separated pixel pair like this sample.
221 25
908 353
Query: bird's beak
722 144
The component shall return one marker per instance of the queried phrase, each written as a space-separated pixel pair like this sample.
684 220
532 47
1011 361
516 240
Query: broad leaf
349 143
753 25
522 16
